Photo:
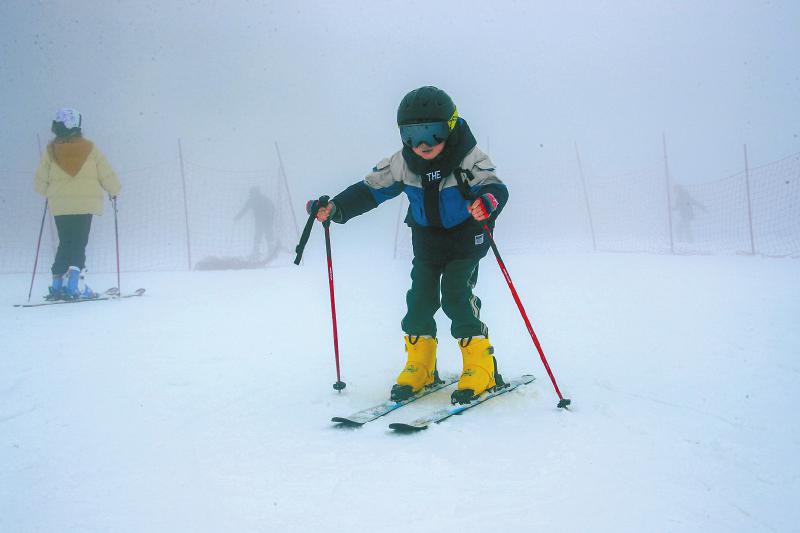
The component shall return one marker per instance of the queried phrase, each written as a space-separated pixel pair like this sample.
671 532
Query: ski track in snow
208 410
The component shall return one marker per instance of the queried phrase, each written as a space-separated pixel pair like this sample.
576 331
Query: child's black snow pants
454 281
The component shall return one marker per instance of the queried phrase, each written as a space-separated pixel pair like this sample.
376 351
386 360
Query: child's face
429 152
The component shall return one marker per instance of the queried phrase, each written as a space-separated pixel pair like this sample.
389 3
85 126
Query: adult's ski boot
56 289
83 287
71 290
76 285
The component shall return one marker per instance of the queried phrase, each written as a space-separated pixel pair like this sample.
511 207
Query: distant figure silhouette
684 204
263 216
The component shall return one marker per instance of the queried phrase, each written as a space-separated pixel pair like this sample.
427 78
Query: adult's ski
446 412
110 294
371 413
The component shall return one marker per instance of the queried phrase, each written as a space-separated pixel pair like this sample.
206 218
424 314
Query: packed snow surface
205 405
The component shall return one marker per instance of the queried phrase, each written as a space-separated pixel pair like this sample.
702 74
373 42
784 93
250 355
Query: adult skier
73 174
684 204
448 239
263 218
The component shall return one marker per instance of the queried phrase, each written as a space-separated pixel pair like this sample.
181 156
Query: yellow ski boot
480 370
420 370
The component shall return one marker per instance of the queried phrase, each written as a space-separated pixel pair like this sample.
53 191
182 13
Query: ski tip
137 292
346 422
406 428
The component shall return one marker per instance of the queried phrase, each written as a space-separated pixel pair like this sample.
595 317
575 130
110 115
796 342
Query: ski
444 413
110 294
369 414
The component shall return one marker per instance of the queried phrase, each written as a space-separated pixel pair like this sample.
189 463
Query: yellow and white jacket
73 175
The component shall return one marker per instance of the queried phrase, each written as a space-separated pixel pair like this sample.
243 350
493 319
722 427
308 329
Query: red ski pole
339 385
38 245
467 193
312 207
563 402
116 240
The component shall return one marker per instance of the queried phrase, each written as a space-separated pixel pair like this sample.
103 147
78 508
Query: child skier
73 174
448 239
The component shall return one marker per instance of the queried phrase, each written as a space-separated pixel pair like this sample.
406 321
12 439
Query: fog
323 80
205 404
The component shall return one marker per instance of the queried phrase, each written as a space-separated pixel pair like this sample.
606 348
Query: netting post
586 198
749 206
185 208
669 195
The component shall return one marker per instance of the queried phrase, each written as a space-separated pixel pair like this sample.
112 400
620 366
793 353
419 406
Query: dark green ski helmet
427 104
426 115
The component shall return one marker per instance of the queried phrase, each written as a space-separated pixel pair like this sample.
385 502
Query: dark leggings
73 236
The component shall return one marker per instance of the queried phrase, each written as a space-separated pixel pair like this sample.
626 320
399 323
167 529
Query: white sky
324 80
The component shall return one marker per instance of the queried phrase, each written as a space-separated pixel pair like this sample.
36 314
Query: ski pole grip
311 207
463 185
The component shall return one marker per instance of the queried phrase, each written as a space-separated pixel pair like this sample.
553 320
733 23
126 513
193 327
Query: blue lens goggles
430 133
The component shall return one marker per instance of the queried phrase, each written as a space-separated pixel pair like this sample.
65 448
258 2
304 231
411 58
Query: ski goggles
430 133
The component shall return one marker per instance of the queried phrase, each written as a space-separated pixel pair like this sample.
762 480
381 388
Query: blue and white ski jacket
392 176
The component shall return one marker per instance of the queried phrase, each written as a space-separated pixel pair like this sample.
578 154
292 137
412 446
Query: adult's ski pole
312 208
116 240
467 193
38 245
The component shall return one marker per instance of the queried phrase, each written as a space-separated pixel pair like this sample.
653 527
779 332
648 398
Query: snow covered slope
205 405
